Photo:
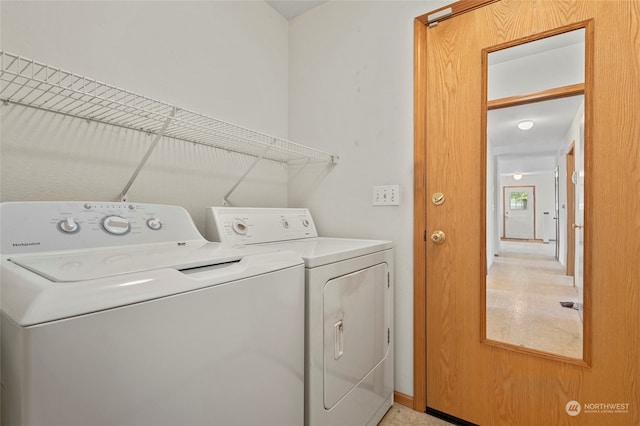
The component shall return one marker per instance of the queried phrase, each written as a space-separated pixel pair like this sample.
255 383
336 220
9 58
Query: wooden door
571 213
457 371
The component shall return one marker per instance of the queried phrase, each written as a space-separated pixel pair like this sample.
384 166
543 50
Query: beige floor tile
524 292
399 415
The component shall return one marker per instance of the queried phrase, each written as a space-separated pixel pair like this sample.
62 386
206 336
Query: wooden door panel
492 384
453 167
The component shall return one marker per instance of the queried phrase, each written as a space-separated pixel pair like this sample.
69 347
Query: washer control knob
68 225
154 224
239 227
116 225
285 223
305 223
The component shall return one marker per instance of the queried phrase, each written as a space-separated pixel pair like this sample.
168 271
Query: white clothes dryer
122 314
349 378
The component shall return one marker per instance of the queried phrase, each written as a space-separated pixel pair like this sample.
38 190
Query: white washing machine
122 314
349 377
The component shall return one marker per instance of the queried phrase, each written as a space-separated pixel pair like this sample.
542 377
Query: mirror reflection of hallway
534 188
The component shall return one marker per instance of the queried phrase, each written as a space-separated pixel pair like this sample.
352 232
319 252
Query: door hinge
425 235
388 336
388 279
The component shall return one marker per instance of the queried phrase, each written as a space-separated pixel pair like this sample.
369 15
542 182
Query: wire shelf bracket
37 85
225 199
125 191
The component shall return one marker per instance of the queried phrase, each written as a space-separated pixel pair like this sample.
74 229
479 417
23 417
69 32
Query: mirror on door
534 289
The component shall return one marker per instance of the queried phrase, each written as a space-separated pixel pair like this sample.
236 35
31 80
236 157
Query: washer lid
30 298
323 250
84 265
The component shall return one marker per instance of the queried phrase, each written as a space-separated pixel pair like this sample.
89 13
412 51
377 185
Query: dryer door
356 329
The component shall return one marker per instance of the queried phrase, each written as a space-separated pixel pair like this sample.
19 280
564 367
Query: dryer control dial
116 225
239 227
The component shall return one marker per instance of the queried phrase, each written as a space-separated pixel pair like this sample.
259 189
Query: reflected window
518 201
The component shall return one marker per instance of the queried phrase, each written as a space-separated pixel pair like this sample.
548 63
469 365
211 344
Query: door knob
438 237
576 226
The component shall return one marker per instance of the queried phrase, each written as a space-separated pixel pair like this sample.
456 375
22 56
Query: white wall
537 71
351 93
345 70
228 59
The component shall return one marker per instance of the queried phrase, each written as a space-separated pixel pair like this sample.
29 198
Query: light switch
386 195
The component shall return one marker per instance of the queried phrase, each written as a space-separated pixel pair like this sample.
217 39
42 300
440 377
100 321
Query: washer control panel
258 225
116 225
42 226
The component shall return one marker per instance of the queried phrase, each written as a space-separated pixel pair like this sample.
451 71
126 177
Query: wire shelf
33 84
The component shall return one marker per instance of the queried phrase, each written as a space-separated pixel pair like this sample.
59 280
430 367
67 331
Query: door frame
571 212
419 215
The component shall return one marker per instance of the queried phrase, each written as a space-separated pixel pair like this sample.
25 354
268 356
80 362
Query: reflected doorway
519 212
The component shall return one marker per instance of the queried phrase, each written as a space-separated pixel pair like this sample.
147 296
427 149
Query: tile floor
524 292
399 415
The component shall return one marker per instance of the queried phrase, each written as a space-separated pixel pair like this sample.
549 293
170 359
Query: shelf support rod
225 201
123 194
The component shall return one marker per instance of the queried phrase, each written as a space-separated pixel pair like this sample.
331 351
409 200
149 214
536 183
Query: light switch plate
386 195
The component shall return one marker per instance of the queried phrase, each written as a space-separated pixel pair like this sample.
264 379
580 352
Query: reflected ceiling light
517 176
525 125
